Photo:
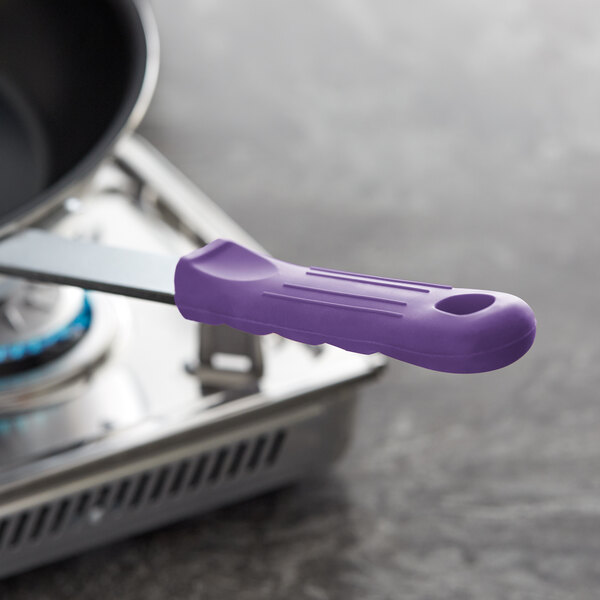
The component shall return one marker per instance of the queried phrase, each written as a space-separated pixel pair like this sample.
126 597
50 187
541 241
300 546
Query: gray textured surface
450 141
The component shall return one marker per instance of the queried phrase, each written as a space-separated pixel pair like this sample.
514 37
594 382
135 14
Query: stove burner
27 354
21 423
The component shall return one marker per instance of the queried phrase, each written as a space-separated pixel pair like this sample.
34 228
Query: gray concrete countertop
456 142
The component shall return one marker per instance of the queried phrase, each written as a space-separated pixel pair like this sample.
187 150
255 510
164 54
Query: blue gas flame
13 352
35 346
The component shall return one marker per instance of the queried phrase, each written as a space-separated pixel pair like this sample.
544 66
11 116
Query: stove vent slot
181 473
122 493
40 521
217 466
17 533
236 461
62 510
140 488
168 483
198 472
275 449
257 452
159 483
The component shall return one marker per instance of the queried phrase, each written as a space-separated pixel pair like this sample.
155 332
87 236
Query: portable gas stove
118 416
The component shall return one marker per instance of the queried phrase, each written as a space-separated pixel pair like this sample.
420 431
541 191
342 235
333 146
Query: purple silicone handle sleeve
433 326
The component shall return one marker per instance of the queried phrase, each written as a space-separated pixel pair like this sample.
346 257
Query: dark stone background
456 142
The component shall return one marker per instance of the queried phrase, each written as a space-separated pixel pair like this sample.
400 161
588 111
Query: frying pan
73 78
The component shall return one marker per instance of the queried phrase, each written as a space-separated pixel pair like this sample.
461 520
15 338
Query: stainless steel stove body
117 416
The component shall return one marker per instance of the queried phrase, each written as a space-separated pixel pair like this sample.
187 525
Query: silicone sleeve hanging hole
465 304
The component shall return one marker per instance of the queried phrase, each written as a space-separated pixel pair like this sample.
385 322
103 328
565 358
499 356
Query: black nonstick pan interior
70 75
